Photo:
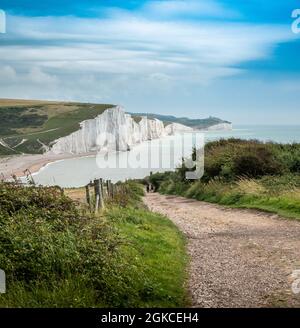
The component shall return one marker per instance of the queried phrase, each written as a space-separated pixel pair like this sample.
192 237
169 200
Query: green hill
193 123
26 125
30 126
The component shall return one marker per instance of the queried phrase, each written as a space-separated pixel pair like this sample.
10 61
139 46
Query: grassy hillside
193 123
241 173
57 254
26 125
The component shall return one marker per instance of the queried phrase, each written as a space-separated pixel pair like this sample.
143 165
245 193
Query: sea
153 156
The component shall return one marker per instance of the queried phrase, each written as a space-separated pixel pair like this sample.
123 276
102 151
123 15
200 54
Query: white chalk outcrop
174 128
113 130
220 127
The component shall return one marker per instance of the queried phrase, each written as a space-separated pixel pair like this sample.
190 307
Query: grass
243 174
43 121
195 123
56 254
244 193
158 249
25 125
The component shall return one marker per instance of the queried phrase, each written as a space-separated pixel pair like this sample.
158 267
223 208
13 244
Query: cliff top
193 123
27 124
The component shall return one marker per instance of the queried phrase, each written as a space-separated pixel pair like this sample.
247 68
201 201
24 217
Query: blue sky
235 59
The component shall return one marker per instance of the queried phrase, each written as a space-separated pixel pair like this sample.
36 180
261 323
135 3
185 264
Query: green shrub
157 178
278 194
245 173
44 240
256 162
55 255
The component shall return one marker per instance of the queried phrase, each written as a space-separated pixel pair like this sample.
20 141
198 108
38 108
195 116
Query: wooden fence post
107 188
112 190
101 186
101 201
97 196
88 196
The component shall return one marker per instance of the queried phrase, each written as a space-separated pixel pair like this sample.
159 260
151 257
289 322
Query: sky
234 59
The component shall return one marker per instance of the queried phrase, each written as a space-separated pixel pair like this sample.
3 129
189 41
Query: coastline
16 165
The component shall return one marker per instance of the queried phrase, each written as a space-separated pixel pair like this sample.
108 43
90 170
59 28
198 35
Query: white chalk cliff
174 128
220 127
114 130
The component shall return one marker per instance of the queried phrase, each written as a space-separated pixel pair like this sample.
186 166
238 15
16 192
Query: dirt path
239 258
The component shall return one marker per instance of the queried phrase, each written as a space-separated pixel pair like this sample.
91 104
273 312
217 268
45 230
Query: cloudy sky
235 59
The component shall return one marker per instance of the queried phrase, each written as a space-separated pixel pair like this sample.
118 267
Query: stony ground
238 258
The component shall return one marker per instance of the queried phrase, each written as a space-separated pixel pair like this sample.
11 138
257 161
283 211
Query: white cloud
180 8
110 58
8 74
139 45
36 75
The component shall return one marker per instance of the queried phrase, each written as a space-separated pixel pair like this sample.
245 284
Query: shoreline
16 165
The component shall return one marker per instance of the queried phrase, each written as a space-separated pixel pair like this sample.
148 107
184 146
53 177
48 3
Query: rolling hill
193 123
31 126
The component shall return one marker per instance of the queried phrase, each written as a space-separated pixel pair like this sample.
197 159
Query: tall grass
242 193
57 255
242 173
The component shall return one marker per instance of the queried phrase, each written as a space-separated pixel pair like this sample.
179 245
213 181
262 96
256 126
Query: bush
256 162
48 203
245 173
157 178
278 194
44 240
231 159
57 256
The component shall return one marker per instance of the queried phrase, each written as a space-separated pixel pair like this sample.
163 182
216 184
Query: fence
99 192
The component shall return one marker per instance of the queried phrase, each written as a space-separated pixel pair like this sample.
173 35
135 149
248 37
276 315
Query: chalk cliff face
220 127
174 128
113 130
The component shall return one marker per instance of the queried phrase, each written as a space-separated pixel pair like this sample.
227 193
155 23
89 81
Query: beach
16 165
72 170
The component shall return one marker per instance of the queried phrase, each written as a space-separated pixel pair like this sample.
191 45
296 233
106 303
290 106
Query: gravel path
238 258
